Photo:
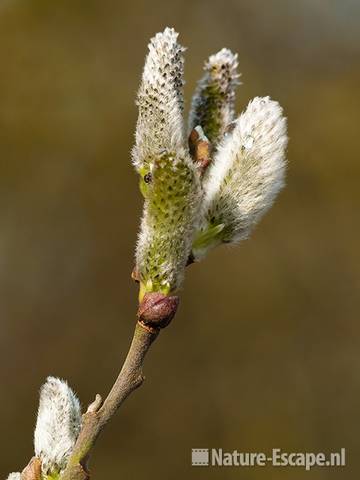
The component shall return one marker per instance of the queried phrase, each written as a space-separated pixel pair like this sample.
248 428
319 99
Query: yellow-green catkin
171 202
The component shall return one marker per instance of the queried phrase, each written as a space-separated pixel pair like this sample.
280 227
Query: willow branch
97 415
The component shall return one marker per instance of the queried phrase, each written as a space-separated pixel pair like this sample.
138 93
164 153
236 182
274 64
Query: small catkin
58 425
212 105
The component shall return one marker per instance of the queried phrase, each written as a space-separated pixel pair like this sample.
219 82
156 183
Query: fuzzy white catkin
160 100
247 172
212 105
58 424
14 476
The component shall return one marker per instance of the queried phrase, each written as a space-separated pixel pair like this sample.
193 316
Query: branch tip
95 405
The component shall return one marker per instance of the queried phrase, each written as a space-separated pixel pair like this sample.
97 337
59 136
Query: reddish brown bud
200 148
157 310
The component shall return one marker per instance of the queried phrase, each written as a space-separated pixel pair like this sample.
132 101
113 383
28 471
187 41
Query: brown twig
97 415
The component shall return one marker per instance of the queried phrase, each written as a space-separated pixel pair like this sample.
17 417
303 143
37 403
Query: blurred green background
265 349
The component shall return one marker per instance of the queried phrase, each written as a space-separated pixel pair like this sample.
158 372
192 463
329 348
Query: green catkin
167 226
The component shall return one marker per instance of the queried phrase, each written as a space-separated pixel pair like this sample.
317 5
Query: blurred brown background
265 349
